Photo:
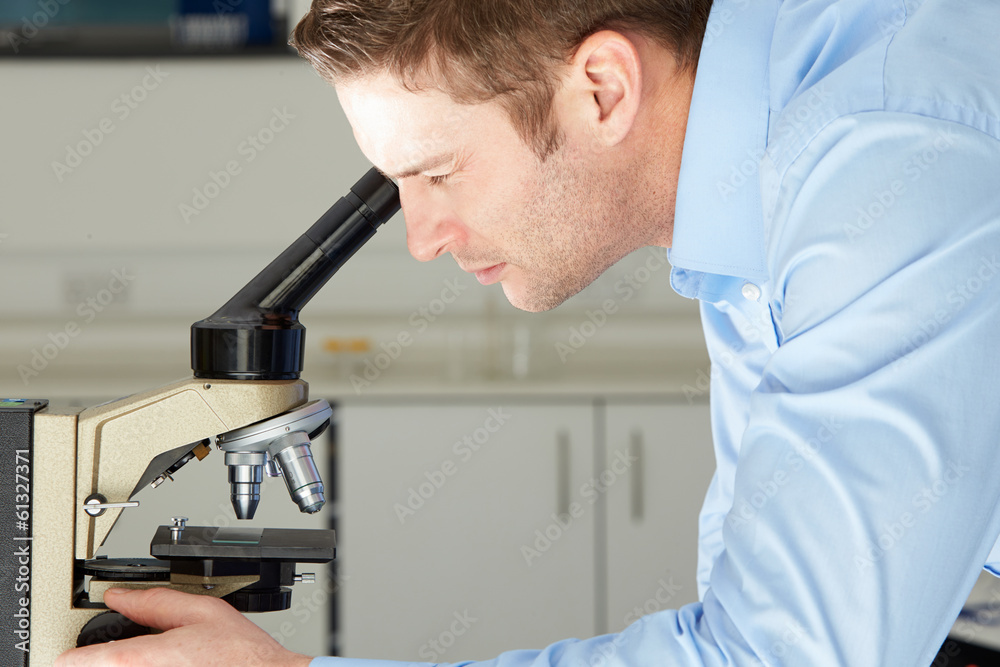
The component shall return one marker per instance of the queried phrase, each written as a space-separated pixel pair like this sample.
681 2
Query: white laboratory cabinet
652 514
437 545
467 528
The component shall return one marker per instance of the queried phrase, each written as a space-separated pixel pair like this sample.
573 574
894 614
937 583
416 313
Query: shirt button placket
750 292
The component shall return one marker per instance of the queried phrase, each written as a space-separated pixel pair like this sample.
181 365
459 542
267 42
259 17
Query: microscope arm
117 441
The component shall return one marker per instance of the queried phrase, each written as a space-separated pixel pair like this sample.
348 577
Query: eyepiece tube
257 335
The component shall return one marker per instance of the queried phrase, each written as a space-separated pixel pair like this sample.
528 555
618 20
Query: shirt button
751 292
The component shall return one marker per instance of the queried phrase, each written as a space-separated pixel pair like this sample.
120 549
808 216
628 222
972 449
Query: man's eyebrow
430 163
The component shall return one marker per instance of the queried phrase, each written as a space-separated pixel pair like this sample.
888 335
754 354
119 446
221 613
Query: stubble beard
579 221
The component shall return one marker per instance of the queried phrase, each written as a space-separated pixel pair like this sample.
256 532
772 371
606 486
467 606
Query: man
835 213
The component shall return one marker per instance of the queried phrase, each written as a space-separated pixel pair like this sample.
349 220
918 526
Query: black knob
108 627
249 600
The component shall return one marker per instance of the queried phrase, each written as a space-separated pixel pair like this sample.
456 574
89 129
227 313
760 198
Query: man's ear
605 84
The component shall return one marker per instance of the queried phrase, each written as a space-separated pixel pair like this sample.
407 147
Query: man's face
470 186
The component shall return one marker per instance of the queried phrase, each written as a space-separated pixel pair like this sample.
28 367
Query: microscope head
256 336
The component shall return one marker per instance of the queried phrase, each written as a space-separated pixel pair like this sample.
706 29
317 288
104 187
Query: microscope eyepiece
256 335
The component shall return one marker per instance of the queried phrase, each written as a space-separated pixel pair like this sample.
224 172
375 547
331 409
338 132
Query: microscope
71 472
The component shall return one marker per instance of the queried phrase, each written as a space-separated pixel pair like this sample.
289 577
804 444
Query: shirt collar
718 225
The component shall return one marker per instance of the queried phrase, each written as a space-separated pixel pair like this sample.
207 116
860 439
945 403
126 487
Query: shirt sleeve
865 494
739 345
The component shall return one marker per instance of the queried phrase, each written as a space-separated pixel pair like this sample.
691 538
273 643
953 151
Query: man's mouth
490 274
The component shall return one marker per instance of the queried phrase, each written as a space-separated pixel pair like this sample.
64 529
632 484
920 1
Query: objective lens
294 455
245 475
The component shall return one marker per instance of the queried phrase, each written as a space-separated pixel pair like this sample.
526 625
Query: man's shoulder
943 63
928 58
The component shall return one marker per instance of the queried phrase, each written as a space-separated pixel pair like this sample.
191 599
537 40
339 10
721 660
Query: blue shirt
838 216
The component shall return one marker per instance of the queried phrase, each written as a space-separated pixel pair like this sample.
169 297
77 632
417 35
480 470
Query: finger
166 609
136 651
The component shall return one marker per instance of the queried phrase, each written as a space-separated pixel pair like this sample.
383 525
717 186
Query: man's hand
199 630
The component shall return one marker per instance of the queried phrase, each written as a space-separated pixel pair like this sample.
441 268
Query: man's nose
430 226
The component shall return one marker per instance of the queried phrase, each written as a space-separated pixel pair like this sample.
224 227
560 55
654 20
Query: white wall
63 234
119 208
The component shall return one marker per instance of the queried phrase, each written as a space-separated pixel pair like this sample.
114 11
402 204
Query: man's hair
481 50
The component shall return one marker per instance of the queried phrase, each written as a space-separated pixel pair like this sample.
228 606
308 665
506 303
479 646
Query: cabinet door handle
562 472
638 493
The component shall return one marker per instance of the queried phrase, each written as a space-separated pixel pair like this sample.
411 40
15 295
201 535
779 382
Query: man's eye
437 180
